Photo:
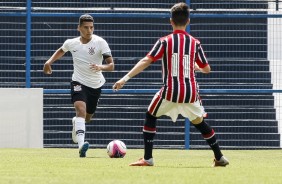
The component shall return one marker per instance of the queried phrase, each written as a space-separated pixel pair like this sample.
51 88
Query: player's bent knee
150 120
196 121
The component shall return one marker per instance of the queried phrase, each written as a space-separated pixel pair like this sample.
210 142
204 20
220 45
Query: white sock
80 127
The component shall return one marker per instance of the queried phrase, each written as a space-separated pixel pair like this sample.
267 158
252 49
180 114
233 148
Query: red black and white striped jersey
179 52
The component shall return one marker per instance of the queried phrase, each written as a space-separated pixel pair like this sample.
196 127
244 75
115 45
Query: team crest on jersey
91 50
77 88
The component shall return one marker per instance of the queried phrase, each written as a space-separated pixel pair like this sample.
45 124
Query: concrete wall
21 118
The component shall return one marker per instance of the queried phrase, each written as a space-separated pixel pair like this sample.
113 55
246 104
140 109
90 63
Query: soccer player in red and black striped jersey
181 55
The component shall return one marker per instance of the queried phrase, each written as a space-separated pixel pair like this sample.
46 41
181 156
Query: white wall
275 58
21 118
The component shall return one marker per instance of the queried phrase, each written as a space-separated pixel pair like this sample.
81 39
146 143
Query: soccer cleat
143 162
83 149
73 133
222 162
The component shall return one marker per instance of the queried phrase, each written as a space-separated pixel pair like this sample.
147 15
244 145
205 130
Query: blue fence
28 11
234 35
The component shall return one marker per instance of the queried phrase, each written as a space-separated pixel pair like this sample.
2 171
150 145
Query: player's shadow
186 167
93 157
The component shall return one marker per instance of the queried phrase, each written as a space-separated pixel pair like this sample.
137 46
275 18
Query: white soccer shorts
160 107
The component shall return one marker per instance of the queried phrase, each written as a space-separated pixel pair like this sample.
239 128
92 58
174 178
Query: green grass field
60 166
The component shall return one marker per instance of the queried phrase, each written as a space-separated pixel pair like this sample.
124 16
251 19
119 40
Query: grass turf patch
171 166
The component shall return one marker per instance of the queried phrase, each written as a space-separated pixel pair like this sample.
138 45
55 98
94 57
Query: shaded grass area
171 166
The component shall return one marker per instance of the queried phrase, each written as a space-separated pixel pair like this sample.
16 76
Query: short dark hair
85 18
180 13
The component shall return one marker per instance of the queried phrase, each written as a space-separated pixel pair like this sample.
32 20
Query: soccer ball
116 149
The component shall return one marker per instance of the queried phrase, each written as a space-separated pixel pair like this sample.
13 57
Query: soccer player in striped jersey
181 55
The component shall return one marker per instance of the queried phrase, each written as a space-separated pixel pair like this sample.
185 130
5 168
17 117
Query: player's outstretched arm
138 68
47 69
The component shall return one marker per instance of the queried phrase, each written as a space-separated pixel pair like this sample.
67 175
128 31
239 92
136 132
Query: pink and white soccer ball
116 149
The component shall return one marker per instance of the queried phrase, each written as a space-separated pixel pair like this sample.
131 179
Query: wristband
126 78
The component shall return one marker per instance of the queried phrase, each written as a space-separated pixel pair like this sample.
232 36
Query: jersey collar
180 31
